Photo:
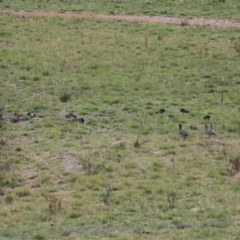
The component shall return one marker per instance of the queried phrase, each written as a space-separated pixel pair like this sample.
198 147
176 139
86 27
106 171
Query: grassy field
61 179
223 9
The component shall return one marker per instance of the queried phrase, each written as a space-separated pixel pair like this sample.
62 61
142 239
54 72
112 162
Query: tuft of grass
184 23
65 97
137 144
9 199
23 192
234 167
54 204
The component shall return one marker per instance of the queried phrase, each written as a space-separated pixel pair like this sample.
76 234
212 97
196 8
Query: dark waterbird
183 110
70 115
31 115
183 133
81 120
210 131
16 118
207 117
162 110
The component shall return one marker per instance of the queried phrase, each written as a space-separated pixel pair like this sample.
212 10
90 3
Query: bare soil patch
30 176
70 163
156 19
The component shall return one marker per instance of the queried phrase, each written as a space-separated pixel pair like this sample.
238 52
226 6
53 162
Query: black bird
207 117
81 120
183 110
31 115
70 115
162 110
210 131
183 133
16 118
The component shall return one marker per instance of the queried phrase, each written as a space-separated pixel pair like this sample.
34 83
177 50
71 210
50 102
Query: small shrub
107 194
23 193
2 178
137 144
54 204
45 73
237 48
184 23
39 237
171 199
146 42
120 146
66 234
130 165
90 167
65 97
234 165
157 164
74 215
18 149
181 225
93 122
9 199
160 37
23 77
1 115
36 78
2 192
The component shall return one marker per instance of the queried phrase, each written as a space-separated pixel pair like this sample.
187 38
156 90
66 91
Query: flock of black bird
75 118
209 131
19 117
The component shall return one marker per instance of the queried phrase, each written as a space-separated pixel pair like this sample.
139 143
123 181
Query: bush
9 199
65 97
234 165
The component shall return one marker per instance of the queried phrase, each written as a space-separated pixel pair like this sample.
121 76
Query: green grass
223 9
103 71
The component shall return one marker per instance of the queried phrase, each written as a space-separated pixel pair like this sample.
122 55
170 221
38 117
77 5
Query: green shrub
9 199
65 97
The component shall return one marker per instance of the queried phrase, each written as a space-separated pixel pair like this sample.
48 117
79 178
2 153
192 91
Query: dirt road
156 19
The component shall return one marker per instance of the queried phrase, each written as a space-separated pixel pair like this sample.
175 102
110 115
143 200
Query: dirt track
157 19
